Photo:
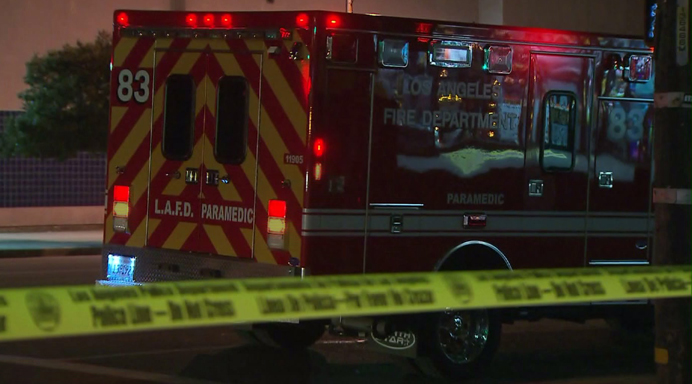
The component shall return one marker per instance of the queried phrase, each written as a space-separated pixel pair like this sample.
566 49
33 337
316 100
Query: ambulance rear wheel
288 335
458 345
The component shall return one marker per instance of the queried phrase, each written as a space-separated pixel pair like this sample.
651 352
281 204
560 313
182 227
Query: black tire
435 359
288 335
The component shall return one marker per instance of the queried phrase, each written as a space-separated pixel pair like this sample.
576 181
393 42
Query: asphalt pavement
544 352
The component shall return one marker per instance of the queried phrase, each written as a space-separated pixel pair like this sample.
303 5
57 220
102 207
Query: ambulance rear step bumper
157 265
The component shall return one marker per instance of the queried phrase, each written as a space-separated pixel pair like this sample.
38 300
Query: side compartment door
177 150
557 160
229 172
620 227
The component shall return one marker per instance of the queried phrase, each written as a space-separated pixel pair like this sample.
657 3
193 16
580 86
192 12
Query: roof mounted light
333 21
191 20
123 19
302 20
208 20
226 20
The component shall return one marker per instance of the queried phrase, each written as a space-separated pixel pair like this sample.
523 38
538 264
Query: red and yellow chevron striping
278 89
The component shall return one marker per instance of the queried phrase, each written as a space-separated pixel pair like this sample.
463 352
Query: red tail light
121 193
318 147
121 201
277 208
191 20
302 20
122 19
276 223
226 20
121 207
208 20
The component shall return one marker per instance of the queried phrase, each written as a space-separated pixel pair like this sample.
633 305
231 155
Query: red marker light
226 20
191 20
302 20
425 28
122 18
333 21
208 20
318 147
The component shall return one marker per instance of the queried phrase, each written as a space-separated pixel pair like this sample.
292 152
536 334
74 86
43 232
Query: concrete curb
43 252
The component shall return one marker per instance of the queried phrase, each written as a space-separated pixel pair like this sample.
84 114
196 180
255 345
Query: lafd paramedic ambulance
261 144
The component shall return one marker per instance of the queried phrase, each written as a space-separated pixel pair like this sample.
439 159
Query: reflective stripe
618 262
468 234
493 212
497 222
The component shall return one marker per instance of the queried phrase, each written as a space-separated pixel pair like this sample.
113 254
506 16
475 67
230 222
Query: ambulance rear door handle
173 175
605 179
396 223
535 187
212 178
192 176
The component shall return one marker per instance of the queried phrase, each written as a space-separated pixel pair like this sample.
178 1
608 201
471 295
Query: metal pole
672 182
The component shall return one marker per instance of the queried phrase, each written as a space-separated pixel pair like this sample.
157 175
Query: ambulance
251 144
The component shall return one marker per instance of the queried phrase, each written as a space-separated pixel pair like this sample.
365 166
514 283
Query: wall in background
27 182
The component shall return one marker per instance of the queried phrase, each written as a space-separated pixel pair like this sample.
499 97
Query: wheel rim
462 335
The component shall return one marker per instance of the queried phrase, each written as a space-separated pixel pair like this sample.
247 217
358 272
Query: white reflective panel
451 54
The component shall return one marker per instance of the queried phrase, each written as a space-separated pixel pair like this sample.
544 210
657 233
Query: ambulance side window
559 120
178 120
231 120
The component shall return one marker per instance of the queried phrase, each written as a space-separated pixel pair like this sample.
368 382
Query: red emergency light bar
285 19
210 20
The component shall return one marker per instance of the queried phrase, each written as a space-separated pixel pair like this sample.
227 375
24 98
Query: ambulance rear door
202 194
177 146
229 169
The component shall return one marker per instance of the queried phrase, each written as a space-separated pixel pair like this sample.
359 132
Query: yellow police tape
82 310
